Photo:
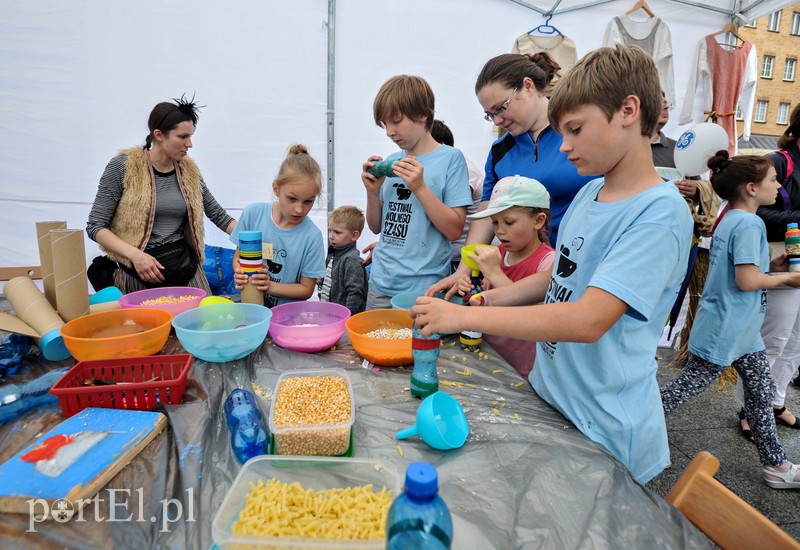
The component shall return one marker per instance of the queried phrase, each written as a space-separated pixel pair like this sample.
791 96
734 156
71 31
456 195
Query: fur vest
133 219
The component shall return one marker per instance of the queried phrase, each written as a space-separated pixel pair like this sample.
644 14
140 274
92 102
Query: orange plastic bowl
381 351
117 333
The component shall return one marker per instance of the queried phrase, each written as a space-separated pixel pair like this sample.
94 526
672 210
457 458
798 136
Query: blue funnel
440 422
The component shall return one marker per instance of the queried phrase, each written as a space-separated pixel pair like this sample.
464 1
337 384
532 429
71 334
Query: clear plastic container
322 439
317 473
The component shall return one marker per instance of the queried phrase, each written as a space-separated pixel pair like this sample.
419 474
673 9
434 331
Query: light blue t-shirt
728 320
411 252
297 252
636 249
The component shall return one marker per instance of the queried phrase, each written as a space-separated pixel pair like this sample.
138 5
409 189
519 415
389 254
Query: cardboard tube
46 258
69 273
251 295
104 306
251 260
33 308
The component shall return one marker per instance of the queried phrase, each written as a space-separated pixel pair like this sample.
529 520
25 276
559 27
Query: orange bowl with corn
382 336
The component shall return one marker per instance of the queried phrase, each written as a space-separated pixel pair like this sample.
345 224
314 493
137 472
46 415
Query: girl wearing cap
520 211
148 212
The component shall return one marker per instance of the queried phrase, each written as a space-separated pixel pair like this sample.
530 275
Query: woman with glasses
511 90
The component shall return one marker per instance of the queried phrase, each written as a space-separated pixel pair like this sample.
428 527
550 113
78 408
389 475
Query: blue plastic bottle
248 435
419 518
425 350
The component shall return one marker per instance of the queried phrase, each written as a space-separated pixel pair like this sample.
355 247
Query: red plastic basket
138 383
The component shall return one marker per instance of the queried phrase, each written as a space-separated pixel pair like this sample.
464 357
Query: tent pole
730 13
580 7
525 4
331 101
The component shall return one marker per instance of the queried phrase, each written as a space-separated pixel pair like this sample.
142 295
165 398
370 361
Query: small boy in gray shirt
345 280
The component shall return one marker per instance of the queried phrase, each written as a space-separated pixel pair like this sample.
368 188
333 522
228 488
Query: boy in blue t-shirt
622 251
423 206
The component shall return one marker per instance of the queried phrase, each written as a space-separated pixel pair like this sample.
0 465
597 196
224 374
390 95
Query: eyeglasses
489 117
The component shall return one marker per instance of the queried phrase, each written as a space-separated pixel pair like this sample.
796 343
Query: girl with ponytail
726 329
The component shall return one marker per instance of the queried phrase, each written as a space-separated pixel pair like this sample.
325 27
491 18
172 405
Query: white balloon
698 144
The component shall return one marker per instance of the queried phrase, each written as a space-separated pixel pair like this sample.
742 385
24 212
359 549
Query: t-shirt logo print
566 267
274 267
403 193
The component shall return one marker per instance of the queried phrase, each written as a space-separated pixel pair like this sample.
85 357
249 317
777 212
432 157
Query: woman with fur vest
148 212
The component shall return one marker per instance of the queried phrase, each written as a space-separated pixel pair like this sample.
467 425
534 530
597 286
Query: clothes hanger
730 28
641 5
547 28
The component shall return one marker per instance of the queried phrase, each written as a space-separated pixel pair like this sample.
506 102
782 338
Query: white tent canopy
79 79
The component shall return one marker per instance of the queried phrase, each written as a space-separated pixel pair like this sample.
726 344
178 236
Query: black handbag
101 272
178 259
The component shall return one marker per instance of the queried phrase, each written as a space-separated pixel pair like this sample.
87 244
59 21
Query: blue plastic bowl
407 299
222 332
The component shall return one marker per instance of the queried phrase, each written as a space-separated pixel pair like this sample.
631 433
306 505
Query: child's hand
239 278
434 315
410 171
368 251
488 259
261 279
372 183
465 286
779 263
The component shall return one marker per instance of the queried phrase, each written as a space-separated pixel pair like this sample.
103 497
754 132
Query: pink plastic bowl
134 299
308 326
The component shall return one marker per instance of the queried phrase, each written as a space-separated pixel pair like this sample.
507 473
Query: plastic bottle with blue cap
425 351
419 518
249 437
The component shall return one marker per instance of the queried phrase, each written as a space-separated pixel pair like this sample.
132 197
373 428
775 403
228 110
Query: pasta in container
299 502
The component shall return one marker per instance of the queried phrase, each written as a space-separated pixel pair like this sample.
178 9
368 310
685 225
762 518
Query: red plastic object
138 383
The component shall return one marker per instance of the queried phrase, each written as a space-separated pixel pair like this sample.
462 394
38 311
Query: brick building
777 41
